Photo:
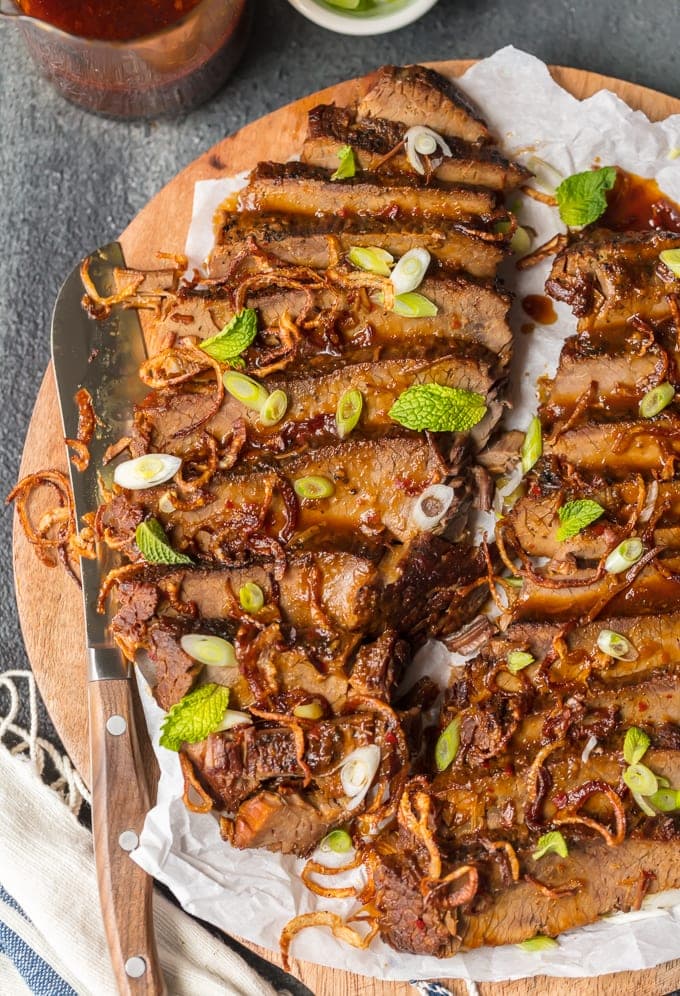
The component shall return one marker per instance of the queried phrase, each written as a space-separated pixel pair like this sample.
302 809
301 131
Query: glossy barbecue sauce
636 204
109 20
540 308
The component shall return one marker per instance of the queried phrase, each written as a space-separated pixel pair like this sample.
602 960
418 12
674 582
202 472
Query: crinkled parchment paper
252 894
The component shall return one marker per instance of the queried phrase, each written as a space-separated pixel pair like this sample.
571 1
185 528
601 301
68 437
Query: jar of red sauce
134 58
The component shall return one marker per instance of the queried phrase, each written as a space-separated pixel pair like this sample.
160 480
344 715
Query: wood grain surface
49 603
122 780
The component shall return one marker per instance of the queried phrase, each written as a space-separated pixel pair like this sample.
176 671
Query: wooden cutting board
49 603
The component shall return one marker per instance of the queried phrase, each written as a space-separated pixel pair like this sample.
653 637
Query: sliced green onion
538 943
210 650
520 243
616 645
546 177
337 841
348 412
671 257
358 771
345 4
347 165
308 710
372 259
422 141
532 447
657 399
663 782
502 227
246 390
624 556
518 660
666 799
410 271
447 745
251 597
314 486
514 582
146 471
640 779
551 843
414 306
431 506
643 804
232 718
274 408
635 745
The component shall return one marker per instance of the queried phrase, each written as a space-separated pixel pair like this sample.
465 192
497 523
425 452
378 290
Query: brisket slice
535 519
376 484
302 189
608 277
606 383
312 403
312 240
284 821
612 880
654 590
615 450
468 309
416 95
371 139
233 765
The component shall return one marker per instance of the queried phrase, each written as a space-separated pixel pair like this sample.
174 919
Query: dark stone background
70 181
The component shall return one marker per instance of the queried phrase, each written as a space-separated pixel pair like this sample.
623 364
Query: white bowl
347 23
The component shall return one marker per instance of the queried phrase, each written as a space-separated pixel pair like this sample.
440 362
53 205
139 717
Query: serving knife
104 357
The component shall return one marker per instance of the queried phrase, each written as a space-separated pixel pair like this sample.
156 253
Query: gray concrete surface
71 181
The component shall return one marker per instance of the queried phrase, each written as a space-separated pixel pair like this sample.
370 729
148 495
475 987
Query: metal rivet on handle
116 725
135 967
128 840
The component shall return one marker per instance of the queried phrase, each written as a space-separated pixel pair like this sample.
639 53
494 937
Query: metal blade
104 357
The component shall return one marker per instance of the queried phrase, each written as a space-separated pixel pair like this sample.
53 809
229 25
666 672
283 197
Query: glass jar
168 72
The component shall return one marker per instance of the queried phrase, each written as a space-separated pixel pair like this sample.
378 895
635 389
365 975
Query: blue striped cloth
40 977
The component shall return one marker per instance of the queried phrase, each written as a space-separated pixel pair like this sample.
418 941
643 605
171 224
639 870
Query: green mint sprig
581 198
153 544
438 408
195 716
574 516
226 347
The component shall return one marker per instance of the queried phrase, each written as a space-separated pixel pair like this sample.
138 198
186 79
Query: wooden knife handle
121 797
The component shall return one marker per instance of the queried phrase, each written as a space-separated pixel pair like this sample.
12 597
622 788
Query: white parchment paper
252 894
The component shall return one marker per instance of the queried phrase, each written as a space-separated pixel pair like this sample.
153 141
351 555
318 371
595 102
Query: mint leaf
574 516
438 408
581 197
154 547
235 337
348 166
635 745
195 716
551 843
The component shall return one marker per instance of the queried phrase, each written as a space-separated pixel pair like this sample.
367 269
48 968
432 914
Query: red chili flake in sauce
509 769
643 707
534 490
420 923
407 485
390 739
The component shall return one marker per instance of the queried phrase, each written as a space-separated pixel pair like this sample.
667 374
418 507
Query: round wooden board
47 598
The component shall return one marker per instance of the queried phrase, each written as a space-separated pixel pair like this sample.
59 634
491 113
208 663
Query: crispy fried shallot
329 892
193 785
323 918
573 800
